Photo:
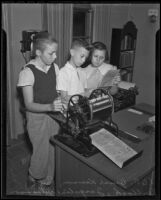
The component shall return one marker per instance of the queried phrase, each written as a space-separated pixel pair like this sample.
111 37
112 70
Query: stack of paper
125 85
152 119
114 148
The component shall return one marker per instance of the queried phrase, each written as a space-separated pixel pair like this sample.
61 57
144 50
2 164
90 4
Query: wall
144 73
23 17
108 16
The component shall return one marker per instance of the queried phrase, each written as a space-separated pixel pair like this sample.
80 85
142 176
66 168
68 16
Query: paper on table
152 119
115 149
135 111
125 85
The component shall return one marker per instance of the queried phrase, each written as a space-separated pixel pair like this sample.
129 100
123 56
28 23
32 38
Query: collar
39 68
71 66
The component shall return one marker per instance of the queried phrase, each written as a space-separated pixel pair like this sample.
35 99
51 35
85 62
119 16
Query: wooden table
97 175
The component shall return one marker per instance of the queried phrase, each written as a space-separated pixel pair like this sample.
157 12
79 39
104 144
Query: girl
98 67
38 83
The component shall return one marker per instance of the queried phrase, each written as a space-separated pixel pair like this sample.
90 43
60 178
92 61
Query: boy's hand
87 92
56 105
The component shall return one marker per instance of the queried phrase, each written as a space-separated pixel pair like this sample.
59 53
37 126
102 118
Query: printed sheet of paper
112 147
109 78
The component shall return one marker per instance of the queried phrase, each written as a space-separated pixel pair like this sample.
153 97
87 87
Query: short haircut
40 40
100 46
80 43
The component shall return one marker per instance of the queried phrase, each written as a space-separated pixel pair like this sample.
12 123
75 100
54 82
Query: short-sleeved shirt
26 76
70 80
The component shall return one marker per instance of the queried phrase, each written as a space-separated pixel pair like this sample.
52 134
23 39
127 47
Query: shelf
128 50
129 68
123 46
81 37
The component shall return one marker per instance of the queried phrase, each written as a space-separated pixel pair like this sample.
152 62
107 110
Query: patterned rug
17 163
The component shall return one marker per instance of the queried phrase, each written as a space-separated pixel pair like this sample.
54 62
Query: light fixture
153 14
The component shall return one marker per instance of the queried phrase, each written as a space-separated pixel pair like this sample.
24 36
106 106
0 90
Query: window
82 23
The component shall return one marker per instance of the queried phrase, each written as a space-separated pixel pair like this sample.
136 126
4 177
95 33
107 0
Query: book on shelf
122 43
127 43
114 148
126 59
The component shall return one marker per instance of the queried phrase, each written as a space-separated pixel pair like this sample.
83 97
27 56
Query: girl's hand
116 80
113 90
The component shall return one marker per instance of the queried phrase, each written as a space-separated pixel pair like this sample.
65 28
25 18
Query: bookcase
123 45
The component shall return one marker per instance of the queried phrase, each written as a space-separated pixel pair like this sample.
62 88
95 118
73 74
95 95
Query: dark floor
18 158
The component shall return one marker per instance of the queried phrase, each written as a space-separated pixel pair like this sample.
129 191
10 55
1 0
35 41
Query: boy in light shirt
70 79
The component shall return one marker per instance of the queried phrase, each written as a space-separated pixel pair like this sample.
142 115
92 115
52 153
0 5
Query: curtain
10 110
101 23
57 19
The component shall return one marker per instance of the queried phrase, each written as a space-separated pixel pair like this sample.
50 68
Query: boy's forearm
36 107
